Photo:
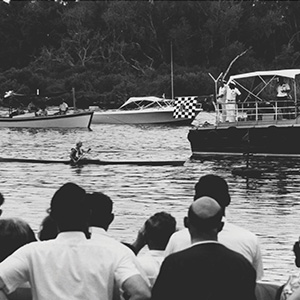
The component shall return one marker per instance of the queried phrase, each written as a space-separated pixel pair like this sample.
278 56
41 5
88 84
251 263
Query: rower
78 153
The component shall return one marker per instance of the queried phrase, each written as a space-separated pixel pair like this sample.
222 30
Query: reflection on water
268 205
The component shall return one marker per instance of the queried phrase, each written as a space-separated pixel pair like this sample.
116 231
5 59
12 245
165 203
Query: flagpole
172 75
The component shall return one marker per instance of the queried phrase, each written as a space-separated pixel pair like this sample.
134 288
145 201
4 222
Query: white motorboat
29 120
144 110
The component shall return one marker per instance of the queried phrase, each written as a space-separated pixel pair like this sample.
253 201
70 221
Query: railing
258 111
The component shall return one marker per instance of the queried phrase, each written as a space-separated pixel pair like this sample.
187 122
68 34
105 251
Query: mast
172 73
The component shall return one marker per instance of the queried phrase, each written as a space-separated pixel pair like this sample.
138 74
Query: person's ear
220 226
186 222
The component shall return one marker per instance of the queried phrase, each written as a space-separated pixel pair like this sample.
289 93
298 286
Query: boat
85 161
29 120
148 110
263 125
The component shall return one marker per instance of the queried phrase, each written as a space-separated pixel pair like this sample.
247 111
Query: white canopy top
289 73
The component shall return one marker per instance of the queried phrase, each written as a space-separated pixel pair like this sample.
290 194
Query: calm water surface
268 206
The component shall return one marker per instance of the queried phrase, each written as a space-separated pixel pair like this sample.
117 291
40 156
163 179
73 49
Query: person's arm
135 288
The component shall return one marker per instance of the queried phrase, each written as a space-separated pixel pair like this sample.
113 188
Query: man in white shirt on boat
231 97
221 99
232 236
63 108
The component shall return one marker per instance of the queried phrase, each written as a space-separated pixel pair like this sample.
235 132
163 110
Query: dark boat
96 162
263 126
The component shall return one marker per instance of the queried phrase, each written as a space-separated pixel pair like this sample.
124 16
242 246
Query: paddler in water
77 153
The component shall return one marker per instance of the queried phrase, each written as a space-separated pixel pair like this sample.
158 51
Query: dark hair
215 187
48 229
14 233
101 207
159 228
68 206
202 224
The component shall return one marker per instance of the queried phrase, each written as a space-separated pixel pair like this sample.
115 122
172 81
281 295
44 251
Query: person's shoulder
238 231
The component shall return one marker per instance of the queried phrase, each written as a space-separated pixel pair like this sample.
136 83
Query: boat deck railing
269 111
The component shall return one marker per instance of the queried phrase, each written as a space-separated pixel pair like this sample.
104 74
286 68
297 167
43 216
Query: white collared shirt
68 267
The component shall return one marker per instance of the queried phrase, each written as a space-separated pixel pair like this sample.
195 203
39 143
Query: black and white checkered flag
185 107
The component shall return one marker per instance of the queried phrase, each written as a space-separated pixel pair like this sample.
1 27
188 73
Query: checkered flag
185 107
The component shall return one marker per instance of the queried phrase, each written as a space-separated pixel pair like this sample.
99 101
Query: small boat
263 124
85 161
146 110
29 120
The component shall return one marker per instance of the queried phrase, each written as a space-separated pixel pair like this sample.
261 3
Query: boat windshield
146 102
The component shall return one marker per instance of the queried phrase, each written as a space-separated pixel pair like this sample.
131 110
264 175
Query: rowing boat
96 162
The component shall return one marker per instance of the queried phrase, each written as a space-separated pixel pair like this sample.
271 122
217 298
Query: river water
268 206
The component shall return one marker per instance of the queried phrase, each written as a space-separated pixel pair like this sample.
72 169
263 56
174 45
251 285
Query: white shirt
151 262
222 94
63 106
282 90
231 94
233 237
68 267
103 237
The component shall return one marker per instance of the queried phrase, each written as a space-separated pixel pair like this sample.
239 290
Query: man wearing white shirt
71 266
231 106
232 236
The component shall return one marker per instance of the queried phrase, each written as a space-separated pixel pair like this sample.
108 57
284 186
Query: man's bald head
205 214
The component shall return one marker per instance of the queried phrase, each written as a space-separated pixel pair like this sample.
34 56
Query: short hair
14 233
101 207
215 187
48 229
1 199
159 228
68 205
203 223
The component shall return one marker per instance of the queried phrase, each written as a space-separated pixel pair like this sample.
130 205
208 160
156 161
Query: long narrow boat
96 162
71 120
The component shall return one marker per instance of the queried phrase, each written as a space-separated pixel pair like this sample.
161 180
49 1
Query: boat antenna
172 73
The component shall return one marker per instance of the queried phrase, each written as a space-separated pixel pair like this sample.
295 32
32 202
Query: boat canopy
147 102
288 73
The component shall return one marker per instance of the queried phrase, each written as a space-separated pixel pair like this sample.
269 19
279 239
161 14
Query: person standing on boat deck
232 93
71 266
77 152
221 99
63 108
207 269
232 236
283 97
101 216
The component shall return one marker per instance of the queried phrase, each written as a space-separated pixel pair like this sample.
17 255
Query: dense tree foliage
111 50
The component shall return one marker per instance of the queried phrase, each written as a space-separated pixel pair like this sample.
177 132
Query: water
268 206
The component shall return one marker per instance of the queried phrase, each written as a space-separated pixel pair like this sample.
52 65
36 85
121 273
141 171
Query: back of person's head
101 207
69 208
215 187
158 230
204 216
14 233
48 229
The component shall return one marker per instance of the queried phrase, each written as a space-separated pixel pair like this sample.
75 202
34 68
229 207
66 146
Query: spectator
1 202
70 266
221 99
232 236
155 234
101 216
15 233
207 269
63 107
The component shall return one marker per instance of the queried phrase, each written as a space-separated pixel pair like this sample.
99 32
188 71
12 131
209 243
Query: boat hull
74 120
278 139
159 116
96 162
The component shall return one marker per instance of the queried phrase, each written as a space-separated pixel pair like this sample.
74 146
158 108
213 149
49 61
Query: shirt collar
205 242
68 235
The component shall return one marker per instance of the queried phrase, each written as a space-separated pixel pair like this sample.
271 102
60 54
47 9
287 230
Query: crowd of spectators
73 256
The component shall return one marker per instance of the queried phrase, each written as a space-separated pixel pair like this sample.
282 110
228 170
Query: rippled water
268 206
